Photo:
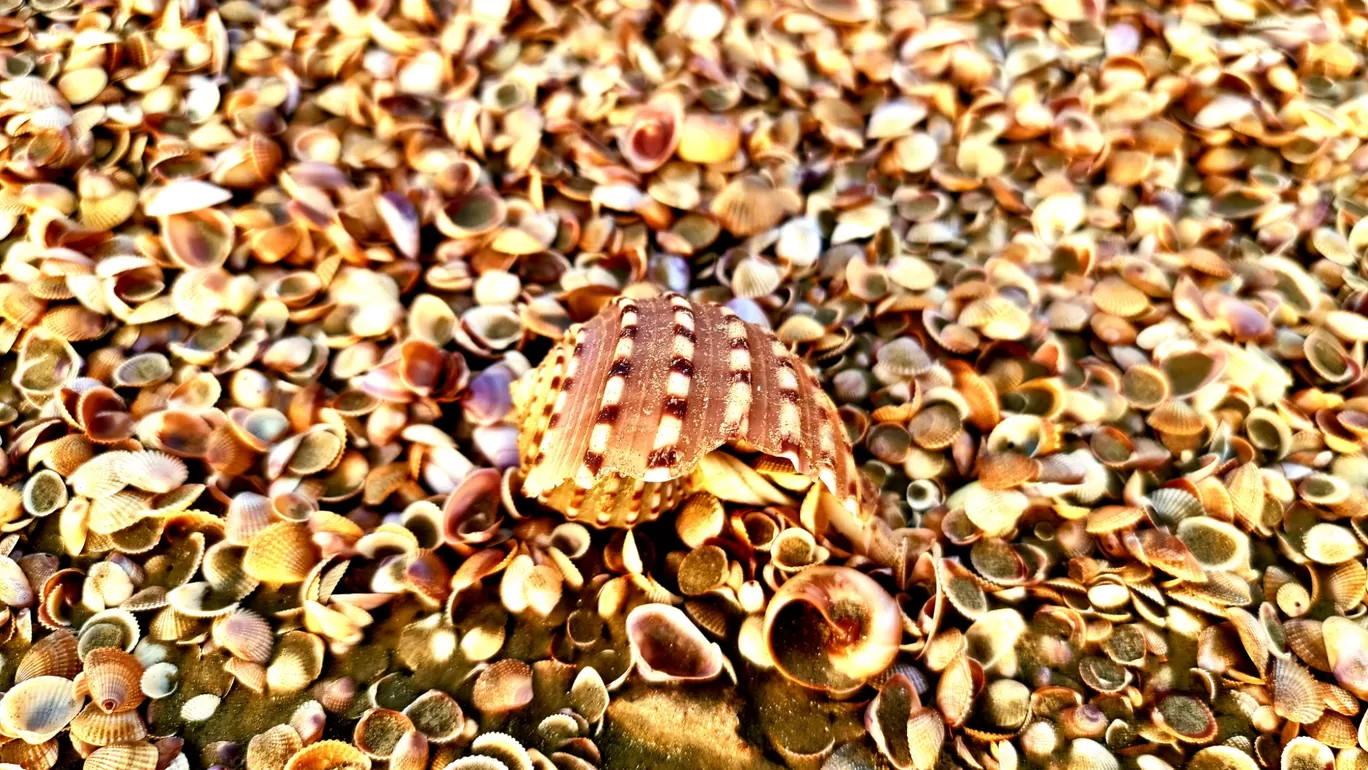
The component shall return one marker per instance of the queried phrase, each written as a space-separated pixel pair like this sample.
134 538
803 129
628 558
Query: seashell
1214 544
159 680
14 585
97 728
832 628
1331 544
1185 717
708 139
282 553
995 512
184 196
245 635
1221 758
503 687
668 647
749 205
114 679
654 133
297 662
273 748
589 695
437 716
36 709
1303 751
53 655
1346 649
503 748
680 443
198 240
45 493
153 471
378 731
329 755
125 756
478 212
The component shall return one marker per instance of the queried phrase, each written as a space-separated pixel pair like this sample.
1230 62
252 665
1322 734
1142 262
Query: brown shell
684 373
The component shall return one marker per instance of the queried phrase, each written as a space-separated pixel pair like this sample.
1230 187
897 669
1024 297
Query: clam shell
706 138
159 680
297 663
437 716
378 731
282 553
53 655
97 728
36 709
114 679
654 133
125 756
245 635
273 748
503 687
45 493
329 755
504 748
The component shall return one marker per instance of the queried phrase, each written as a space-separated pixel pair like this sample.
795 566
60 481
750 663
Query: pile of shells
830 384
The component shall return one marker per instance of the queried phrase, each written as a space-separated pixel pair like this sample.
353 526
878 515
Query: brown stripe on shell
543 402
619 388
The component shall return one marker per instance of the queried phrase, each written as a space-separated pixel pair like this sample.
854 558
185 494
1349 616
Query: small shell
1186 718
160 680
282 553
503 687
654 132
53 655
246 635
437 716
329 755
125 756
378 731
97 728
706 138
668 647
297 663
270 750
45 493
504 748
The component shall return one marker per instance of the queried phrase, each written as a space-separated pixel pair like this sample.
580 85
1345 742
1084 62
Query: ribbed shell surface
621 411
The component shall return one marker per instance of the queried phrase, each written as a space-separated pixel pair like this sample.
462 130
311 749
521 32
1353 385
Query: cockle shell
620 414
37 709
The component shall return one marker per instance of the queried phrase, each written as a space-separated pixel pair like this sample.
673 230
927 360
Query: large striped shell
619 414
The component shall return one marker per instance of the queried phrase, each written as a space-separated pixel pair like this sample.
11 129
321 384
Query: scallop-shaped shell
504 748
503 687
45 493
297 663
378 731
160 680
53 655
688 372
37 709
125 756
246 635
282 553
1303 752
98 728
114 679
270 750
437 716
329 755
749 205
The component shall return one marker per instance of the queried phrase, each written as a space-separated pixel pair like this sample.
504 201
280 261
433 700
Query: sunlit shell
654 133
37 709
503 687
329 755
271 749
706 138
297 662
378 731
1186 718
504 748
1331 544
1303 753
97 728
831 628
283 552
748 205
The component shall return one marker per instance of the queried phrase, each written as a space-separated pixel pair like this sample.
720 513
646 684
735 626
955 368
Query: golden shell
114 679
297 663
282 553
125 756
270 750
437 716
98 728
329 755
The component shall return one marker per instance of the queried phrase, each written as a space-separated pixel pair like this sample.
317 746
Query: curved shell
37 709
689 371
114 678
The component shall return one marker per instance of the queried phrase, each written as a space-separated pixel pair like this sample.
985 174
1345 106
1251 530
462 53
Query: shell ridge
664 457
614 389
